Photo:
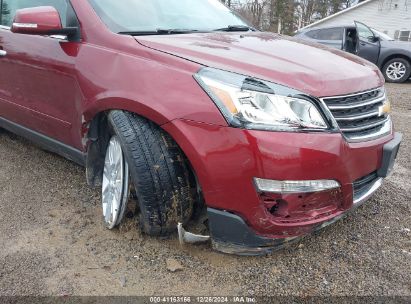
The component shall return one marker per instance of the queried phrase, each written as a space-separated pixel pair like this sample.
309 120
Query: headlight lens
257 104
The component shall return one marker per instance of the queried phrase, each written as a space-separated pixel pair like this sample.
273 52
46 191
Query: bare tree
227 2
253 11
286 16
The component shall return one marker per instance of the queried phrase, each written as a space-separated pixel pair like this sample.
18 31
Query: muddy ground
53 243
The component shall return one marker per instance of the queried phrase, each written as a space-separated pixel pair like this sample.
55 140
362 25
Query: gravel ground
53 243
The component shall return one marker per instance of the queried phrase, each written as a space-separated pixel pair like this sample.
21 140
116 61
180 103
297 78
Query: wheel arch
97 139
393 56
95 124
125 103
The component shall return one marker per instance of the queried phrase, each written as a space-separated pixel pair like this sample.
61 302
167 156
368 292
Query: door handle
3 53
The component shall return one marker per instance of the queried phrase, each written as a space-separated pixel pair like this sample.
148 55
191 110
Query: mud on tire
159 171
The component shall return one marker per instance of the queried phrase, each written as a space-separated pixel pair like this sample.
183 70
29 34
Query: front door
38 88
368 43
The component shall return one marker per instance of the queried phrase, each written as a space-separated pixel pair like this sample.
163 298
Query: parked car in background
391 56
184 105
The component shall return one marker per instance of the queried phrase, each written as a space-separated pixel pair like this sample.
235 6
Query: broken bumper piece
230 234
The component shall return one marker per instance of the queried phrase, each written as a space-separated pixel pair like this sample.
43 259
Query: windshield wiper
160 32
176 31
235 28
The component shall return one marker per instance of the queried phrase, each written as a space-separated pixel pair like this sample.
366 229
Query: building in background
392 17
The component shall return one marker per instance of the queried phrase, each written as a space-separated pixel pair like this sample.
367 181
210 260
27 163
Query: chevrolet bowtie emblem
385 108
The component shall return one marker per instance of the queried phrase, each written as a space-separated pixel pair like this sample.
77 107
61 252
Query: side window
313 34
9 8
364 32
330 34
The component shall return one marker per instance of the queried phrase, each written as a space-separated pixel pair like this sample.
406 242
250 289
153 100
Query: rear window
312 34
326 34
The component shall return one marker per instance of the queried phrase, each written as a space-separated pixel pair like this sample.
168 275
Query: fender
387 54
123 101
94 127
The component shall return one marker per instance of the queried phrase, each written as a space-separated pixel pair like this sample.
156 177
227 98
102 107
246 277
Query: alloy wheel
396 70
115 190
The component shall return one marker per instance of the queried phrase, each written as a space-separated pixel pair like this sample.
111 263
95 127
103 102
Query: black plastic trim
44 141
228 227
72 33
390 152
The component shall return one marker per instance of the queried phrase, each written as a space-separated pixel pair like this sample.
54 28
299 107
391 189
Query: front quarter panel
116 72
158 91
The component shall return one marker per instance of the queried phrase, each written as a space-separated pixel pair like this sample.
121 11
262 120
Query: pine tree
5 14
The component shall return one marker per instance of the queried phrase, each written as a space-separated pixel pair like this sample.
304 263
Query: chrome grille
359 115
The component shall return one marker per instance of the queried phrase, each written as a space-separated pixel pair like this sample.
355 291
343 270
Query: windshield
382 35
152 15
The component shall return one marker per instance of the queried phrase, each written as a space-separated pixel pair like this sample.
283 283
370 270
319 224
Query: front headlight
256 104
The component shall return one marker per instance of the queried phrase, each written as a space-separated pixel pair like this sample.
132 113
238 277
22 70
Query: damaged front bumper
230 234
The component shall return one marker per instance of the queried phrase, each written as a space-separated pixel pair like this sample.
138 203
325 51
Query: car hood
305 66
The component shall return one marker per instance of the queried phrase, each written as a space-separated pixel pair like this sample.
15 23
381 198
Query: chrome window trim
25 25
57 37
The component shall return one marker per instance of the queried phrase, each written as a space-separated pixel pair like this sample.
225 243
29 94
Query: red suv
184 105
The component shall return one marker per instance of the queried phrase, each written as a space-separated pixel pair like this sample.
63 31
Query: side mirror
373 39
42 20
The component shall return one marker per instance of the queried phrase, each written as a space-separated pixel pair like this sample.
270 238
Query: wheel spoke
108 214
118 169
106 173
118 154
113 183
111 153
396 70
106 190
114 205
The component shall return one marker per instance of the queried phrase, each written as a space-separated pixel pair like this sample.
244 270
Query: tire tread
159 171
